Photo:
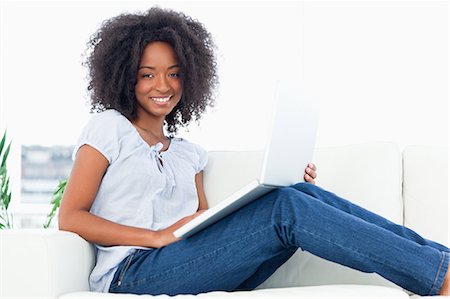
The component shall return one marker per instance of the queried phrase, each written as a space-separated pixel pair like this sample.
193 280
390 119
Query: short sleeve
202 158
101 133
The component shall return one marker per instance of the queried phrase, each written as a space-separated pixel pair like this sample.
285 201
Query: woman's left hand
310 173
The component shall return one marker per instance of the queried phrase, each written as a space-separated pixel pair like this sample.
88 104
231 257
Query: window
42 169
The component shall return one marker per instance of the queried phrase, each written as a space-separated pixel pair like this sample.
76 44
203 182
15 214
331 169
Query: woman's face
158 89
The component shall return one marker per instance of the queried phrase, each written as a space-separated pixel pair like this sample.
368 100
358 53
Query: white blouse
137 189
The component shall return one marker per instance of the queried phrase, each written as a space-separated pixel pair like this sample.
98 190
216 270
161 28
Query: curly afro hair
117 48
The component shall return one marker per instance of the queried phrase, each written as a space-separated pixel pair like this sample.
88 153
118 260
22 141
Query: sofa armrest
43 263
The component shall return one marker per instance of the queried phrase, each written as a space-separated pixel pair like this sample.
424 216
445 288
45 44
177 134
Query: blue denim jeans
243 249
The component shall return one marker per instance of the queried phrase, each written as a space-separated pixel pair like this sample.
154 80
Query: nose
162 84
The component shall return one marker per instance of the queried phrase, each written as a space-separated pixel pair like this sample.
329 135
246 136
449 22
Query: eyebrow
153 68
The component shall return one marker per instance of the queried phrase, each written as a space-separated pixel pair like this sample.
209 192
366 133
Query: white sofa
409 187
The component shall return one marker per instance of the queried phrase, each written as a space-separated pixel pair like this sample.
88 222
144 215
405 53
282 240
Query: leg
226 254
350 208
338 236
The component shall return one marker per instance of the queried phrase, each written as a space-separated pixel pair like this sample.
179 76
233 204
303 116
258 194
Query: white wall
379 69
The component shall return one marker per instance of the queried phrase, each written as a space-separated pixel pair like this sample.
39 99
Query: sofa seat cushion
328 291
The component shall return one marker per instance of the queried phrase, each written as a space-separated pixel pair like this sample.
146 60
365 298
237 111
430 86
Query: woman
131 186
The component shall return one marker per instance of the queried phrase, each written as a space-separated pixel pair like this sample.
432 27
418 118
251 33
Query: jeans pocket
125 268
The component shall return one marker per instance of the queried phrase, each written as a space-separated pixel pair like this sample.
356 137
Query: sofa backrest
425 191
228 171
367 174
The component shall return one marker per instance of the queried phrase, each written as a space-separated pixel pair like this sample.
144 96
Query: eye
147 75
174 75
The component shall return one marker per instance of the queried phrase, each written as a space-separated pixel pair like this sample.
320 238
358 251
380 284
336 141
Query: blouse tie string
163 167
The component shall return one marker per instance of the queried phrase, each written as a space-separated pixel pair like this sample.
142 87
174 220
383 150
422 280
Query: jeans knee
289 196
306 187
287 192
290 207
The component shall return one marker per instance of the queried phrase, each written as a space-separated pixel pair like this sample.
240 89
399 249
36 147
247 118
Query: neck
150 125
155 133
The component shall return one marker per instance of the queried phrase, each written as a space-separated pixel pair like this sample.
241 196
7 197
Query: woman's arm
82 187
202 202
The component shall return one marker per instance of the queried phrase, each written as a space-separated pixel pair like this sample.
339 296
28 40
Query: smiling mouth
160 99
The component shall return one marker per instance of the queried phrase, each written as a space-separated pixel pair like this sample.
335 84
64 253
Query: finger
311 172
309 179
312 166
306 177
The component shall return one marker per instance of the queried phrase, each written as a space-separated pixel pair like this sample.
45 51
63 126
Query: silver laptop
288 151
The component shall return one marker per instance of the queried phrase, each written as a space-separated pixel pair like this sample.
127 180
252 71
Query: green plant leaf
5 155
2 177
56 202
7 200
2 143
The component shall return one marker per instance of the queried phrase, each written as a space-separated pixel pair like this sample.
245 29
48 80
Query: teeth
161 100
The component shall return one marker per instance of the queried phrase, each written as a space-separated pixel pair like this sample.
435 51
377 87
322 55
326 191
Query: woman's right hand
166 236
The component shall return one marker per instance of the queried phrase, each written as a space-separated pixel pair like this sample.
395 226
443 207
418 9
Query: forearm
100 231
